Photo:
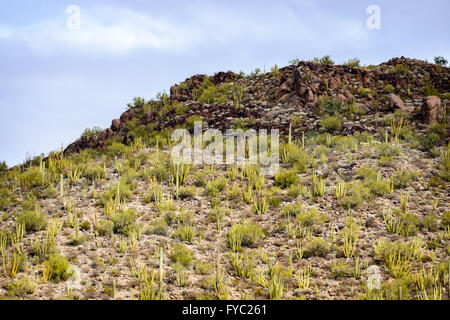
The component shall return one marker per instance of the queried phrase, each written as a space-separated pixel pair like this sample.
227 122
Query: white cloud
119 30
129 31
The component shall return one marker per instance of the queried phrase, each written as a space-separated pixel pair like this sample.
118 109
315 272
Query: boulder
282 90
115 125
395 102
341 98
334 83
431 110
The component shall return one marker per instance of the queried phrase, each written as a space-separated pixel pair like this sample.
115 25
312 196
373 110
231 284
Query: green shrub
298 159
292 210
182 255
6 198
445 219
331 124
105 228
429 141
440 61
57 266
388 150
316 247
355 62
324 60
116 149
429 223
355 195
3 166
33 220
430 90
286 178
403 177
245 233
311 217
21 287
159 226
32 178
213 188
401 69
364 92
123 220
389 88
184 232
187 192
95 172
330 105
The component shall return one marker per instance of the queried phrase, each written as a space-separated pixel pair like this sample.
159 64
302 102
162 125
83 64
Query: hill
358 209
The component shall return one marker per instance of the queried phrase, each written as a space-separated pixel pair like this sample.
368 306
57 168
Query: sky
70 65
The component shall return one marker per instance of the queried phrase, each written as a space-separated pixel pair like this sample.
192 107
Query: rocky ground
362 196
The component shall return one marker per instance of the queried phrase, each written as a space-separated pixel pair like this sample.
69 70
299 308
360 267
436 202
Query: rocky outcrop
273 100
431 110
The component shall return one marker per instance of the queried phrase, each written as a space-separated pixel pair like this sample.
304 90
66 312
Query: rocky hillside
293 95
358 210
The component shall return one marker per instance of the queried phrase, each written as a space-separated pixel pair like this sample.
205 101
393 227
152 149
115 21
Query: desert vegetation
363 183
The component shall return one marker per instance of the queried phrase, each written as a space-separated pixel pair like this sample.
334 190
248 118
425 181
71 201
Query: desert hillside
358 210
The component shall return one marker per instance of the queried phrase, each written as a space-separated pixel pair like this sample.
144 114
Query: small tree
441 61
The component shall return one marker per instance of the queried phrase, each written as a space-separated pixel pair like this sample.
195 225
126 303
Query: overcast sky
57 79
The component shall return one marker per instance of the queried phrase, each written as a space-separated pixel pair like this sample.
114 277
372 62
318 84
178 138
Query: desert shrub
364 92
445 219
429 141
116 149
180 254
208 93
286 178
158 226
184 232
430 90
200 179
123 220
122 190
339 269
33 220
429 223
330 105
295 190
298 159
187 192
91 133
324 60
94 172
403 177
331 124
6 198
245 233
213 188
401 69
356 194
311 217
389 88
355 62
388 150
105 228
292 210
32 178
234 193
316 247
57 266
21 287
